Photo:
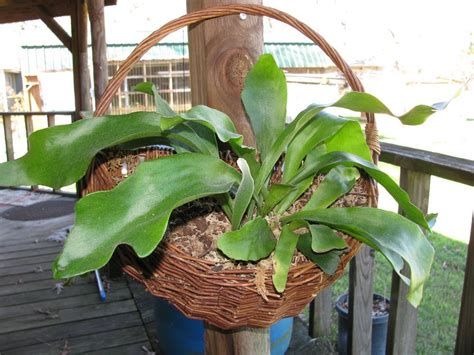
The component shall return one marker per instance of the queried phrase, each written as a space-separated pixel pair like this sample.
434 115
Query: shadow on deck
40 315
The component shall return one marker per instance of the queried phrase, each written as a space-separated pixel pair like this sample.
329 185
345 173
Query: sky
431 37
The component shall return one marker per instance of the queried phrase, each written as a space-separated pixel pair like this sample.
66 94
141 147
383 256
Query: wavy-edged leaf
350 139
336 183
254 241
333 159
323 126
243 195
324 239
219 123
364 102
284 251
264 98
136 212
393 235
328 262
355 101
162 107
60 155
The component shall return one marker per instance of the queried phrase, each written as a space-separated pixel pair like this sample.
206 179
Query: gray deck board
36 319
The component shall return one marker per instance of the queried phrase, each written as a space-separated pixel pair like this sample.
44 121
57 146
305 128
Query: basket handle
226 10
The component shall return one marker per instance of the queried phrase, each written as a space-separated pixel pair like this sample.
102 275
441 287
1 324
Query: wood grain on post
221 53
7 131
360 302
403 316
99 46
242 341
320 314
79 57
465 337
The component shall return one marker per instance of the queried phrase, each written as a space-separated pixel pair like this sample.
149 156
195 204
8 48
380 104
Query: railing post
360 302
465 337
320 314
403 316
29 125
7 130
51 120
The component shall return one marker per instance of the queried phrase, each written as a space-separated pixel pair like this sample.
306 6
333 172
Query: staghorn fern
136 212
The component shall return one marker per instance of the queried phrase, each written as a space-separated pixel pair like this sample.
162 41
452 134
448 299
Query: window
170 77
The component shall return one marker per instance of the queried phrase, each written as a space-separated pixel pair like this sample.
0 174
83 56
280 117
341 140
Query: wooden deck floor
35 318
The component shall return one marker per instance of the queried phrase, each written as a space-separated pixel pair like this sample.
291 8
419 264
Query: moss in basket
137 211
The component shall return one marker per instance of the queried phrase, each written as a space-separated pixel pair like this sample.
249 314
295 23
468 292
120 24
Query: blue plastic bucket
379 328
179 335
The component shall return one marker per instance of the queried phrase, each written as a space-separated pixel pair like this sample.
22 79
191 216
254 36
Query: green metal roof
57 58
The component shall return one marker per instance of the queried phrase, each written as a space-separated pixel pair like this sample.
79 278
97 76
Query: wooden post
51 120
320 314
403 316
465 338
221 53
242 341
360 302
29 126
79 57
7 130
99 46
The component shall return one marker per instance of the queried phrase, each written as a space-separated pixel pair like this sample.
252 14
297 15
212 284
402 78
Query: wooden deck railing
29 121
416 168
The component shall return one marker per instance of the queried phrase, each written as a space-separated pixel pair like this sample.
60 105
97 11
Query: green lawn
439 311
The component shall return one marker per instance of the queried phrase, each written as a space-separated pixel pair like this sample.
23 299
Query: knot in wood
237 63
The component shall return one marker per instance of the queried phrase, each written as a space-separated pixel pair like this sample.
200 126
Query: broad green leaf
301 186
213 119
328 262
284 251
355 101
162 107
336 183
293 195
136 212
276 193
264 98
219 123
350 139
196 138
254 241
243 195
324 239
60 155
323 126
333 159
397 238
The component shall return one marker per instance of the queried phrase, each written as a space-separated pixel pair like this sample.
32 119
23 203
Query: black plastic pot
379 327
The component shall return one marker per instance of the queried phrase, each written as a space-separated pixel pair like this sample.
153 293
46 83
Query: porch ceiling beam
54 26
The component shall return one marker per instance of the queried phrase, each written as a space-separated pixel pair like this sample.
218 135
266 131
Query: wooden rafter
25 10
54 26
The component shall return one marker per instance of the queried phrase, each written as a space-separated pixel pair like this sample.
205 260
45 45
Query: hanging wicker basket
201 289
